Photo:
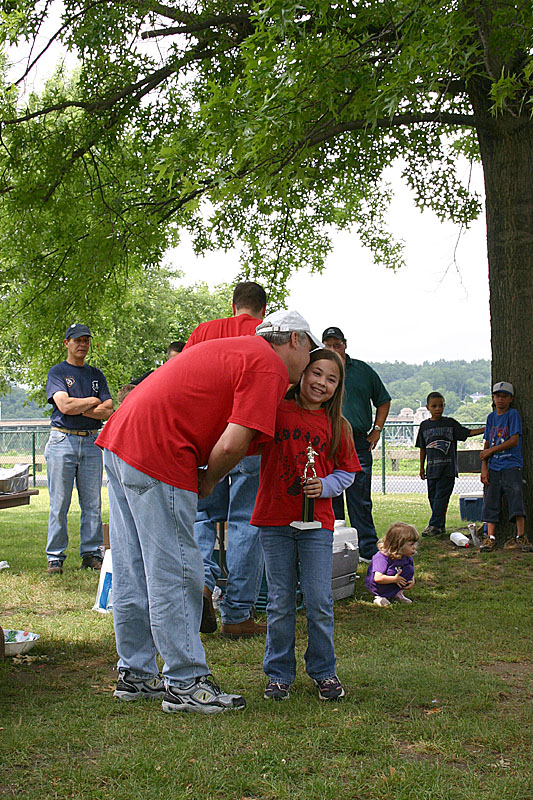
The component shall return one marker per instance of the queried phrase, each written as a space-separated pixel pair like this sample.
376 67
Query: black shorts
506 482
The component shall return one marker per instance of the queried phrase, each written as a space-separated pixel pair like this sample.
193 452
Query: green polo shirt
363 387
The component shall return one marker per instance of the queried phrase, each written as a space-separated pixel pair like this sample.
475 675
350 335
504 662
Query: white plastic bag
104 595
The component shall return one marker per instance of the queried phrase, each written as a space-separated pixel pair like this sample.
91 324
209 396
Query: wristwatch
376 428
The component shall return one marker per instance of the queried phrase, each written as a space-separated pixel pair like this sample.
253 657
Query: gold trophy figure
308 503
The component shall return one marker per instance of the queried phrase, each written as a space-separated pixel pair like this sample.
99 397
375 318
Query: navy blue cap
336 332
76 330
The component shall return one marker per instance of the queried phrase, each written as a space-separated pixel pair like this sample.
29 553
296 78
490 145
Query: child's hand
409 585
423 473
401 582
313 487
485 476
484 454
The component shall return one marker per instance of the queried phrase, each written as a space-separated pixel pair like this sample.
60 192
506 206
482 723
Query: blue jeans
439 493
359 502
284 548
73 459
233 500
157 574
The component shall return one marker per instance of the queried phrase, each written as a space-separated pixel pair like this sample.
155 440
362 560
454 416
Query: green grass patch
438 694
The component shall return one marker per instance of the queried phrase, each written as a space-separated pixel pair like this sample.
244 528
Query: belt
70 432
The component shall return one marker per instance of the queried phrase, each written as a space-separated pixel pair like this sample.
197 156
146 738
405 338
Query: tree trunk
507 156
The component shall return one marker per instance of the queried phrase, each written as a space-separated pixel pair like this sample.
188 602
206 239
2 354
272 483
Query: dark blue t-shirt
499 428
439 438
86 381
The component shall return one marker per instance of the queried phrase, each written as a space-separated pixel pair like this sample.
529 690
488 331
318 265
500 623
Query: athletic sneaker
381 601
91 562
432 530
131 687
401 598
488 545
54 568
330 689
202 696
276 690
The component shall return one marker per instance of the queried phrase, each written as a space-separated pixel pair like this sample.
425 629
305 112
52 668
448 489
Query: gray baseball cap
503 386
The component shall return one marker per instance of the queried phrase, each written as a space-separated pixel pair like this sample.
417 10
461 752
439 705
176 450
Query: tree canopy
266 124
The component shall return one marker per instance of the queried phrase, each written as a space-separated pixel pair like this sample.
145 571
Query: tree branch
211 22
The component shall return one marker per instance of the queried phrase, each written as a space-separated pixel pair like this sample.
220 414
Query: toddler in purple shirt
391 571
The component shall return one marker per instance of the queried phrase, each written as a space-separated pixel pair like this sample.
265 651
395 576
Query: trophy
308 503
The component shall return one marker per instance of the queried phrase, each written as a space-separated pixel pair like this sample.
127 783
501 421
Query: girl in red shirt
311 414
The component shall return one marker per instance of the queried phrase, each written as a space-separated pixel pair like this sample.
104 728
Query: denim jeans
284 548
233 500
359 502
439 493
73 459
157 574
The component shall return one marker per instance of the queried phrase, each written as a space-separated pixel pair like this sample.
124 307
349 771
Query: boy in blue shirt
437 439
501 467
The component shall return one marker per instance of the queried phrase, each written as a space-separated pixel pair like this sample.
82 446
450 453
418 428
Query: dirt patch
512 671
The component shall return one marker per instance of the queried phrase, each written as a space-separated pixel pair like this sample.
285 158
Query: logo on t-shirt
70 381
95 386
440 444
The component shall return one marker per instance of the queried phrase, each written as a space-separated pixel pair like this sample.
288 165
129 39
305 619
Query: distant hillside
16 405
408 384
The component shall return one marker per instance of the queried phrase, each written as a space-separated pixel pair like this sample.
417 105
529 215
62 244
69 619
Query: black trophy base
307 523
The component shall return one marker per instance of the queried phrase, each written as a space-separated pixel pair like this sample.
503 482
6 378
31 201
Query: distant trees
409 384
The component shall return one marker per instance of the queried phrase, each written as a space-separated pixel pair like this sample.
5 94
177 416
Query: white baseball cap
503 386
286 321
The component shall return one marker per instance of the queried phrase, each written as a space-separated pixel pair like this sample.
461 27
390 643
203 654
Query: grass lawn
438 704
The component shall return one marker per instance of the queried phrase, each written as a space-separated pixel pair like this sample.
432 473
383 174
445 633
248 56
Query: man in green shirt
363 388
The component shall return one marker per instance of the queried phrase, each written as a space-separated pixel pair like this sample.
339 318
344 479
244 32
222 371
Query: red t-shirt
168 426
241 325
279 500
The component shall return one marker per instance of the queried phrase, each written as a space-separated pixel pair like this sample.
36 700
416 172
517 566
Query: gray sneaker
431 530
132 687
202 696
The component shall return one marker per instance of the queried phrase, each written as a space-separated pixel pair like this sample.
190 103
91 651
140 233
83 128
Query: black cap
336 332
76 330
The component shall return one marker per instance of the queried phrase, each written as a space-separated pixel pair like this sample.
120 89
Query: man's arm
382 412
74 405
228 451
102 410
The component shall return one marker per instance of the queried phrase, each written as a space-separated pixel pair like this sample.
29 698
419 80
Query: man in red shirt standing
199 410
233 498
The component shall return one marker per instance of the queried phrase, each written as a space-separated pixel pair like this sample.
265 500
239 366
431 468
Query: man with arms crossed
362 388
80 400
200 410
233 498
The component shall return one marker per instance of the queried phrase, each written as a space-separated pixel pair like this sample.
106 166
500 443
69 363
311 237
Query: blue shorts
507 482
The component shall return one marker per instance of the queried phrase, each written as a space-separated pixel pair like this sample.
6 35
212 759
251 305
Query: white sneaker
381 601
202 696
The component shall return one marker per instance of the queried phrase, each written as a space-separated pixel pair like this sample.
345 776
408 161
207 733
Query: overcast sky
433 308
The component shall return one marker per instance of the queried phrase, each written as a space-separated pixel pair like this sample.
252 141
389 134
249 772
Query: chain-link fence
24 443
395 471
396 465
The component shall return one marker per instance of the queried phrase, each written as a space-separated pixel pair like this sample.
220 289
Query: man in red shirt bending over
199 410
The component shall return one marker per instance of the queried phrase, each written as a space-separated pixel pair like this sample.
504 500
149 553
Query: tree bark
507 155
